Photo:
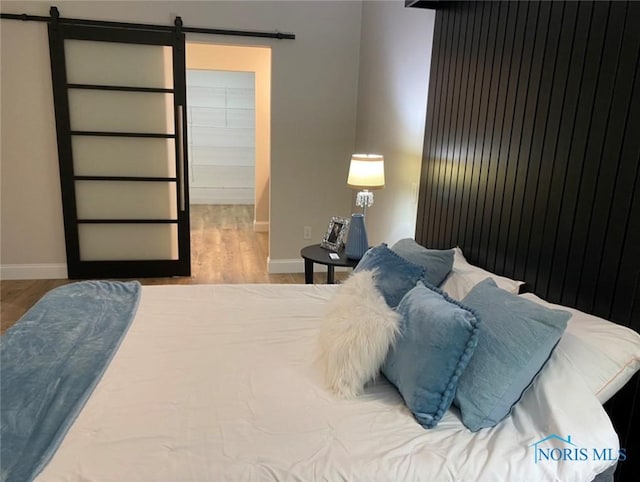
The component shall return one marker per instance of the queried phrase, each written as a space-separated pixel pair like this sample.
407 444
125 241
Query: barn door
120 98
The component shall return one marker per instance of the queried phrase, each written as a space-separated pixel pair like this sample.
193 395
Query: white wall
221 136
395 57
314 95
32 237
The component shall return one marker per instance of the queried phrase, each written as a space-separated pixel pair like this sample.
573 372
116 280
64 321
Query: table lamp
366 172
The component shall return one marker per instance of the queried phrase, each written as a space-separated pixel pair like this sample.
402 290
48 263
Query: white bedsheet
217 383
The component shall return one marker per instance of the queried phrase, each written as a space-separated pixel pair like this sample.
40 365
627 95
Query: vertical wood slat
504 180
495 47
493 192
598 133
471 87
466 35
564 142
577 151
444 127
531 147
475 73
433 119
515 258
480 108
559 47
449 191
447 121
434 83
512 159
621 179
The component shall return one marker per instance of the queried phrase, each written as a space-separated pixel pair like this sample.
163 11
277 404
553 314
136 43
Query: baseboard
33 271
278 266
261 226
59 271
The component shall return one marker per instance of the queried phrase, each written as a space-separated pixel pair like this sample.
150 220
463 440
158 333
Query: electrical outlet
307 232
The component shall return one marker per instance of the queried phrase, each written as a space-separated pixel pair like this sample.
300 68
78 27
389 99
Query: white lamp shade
366 171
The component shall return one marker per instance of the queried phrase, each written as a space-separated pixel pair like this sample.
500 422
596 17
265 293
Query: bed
224 382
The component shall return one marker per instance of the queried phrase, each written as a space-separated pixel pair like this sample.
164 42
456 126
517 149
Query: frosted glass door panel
113 111
122 242
126 200
110 63
123 156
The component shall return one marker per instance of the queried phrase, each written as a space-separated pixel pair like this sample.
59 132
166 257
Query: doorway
237 169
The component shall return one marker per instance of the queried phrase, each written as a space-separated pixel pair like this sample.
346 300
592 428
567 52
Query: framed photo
336 233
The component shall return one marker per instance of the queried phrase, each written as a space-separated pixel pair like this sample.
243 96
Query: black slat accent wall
532 148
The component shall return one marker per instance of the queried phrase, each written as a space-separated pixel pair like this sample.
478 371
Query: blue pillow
437 338
395 275
516 339
437 263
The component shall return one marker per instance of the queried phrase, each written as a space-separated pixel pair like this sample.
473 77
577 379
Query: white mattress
216 383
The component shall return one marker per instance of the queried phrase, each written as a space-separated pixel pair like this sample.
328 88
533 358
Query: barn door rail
55 17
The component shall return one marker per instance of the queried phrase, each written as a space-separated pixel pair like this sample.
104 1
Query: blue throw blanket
50 362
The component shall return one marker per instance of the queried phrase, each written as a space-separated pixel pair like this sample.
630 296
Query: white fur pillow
356 334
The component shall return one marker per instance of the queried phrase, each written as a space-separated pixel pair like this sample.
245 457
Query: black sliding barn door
120 102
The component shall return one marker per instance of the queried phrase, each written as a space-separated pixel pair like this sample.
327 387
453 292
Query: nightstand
317 254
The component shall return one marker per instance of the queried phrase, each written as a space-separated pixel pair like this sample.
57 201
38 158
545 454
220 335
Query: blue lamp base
357 242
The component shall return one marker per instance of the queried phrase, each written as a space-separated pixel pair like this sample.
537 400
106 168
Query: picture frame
336 233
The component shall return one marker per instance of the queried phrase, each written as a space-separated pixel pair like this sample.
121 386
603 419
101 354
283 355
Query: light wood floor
224 249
